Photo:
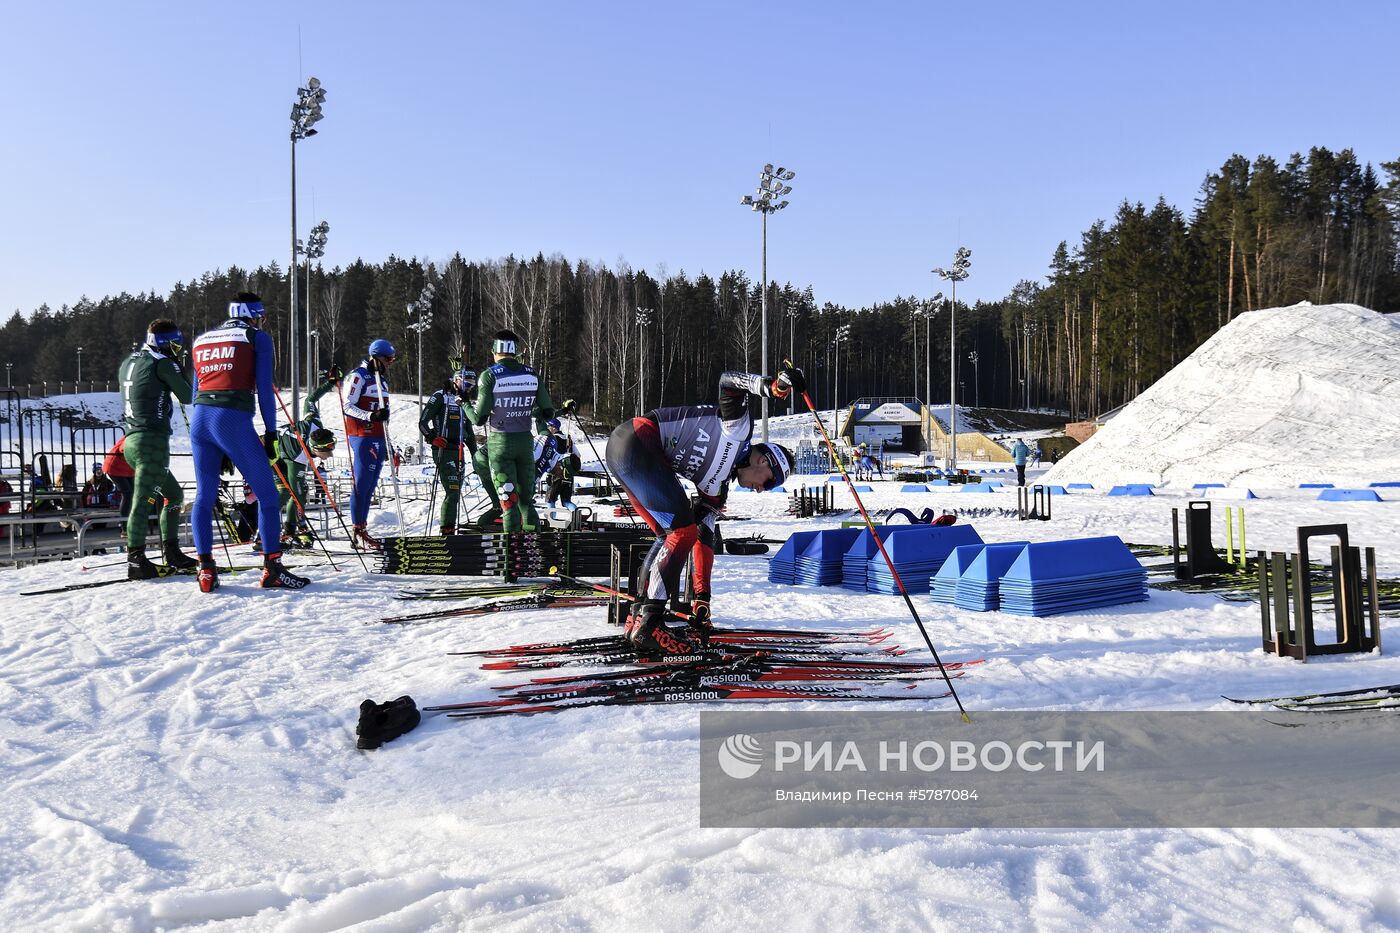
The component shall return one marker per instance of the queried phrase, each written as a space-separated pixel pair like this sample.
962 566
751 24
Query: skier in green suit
148 378
515 405
293 461
446 430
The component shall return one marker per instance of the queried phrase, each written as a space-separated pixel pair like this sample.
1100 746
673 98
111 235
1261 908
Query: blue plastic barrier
1209 486
911 487
976 487
853 565
1315 485
1132 489
820 563
977 586
939 482
783 567
1053 577
1349 495
863 488
1081 485
917 551
1057 490
943 586
1387 483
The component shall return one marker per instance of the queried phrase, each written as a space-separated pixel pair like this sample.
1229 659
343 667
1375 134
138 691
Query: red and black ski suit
702 443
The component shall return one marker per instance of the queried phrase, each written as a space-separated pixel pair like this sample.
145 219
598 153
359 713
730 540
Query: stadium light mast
644 316
962 261
772 188
306 113
315 249
929 311
423 309
843 333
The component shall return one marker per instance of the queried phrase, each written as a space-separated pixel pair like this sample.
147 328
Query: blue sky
145 143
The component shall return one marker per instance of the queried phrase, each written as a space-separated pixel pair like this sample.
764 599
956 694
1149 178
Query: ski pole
885 554
311 465
349 451
604 464
388 443
432 499
302 509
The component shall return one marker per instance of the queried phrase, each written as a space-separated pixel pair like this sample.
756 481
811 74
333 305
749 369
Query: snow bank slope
1276 397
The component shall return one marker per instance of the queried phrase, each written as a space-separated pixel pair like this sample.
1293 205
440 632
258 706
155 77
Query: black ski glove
788 380
226 466
270 444
333 374
379 414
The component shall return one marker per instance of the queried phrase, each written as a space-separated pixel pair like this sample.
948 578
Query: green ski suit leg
148 453
513 470
449 471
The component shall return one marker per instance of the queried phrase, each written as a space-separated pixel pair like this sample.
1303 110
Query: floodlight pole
306 112
771 188
962 259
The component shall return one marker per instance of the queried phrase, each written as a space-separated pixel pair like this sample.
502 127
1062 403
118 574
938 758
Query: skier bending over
710 446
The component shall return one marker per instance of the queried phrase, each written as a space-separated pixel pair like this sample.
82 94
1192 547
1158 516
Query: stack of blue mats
944 584
820 563
783 567
1064 576
858 556
917 552
977 586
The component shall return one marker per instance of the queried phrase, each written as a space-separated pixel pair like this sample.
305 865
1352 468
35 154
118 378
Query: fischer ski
1301 697
163 573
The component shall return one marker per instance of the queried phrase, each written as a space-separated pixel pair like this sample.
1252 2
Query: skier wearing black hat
710 445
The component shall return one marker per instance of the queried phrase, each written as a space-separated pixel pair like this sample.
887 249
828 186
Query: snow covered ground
180 761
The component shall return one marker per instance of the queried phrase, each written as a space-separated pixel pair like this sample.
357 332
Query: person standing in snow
232 368
293 461
366 410
557 463
148 379
1019 452
510 398
445 430
710 445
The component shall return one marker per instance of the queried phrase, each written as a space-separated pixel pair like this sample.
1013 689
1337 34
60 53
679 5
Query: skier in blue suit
366 410
232 366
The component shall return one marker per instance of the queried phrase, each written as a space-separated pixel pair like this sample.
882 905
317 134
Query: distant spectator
1019 453
1055 456
98 490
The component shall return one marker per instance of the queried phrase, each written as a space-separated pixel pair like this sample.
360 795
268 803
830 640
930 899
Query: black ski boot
139 567
700 625
648 633
275 576
208 575
176 559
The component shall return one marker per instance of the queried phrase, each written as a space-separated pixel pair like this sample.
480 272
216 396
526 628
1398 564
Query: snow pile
1275 398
